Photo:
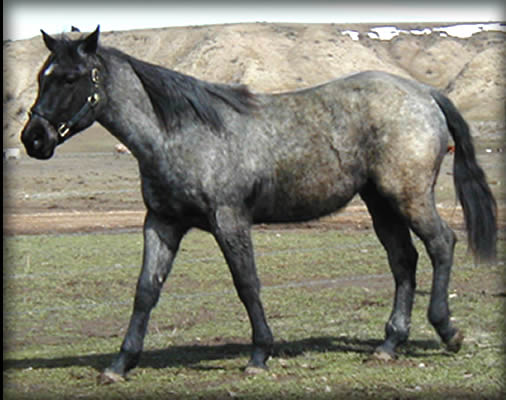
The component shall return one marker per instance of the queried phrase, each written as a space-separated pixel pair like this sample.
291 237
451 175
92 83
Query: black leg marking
439 240
393 232
161 243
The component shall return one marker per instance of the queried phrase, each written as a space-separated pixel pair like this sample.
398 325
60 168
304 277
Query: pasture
327 294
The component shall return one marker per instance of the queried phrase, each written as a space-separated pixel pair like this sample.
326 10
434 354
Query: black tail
471 185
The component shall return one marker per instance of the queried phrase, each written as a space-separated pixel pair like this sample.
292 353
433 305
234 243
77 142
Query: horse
222 158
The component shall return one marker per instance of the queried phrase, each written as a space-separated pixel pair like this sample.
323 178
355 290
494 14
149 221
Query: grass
327 295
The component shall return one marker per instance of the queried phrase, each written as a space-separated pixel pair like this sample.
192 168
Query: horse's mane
174 94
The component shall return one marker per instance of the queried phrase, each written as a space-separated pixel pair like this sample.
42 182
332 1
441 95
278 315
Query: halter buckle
94 99
95 77
63 129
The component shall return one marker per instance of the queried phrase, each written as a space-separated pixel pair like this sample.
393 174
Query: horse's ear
49 41
90 43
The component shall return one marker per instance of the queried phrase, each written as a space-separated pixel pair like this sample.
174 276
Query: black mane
174 95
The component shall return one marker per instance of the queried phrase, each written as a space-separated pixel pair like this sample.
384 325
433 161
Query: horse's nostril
37 134
35 137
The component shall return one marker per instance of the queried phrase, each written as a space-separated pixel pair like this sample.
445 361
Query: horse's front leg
232 232
161 242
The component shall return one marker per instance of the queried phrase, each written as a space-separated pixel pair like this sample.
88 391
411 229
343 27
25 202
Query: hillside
277 57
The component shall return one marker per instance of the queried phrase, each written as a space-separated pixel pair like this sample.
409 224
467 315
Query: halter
64 128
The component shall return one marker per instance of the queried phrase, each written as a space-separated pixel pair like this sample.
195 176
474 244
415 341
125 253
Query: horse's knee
146 295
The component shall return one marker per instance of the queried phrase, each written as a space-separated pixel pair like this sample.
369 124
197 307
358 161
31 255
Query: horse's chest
172 197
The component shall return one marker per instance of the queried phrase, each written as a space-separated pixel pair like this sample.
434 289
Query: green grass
327 295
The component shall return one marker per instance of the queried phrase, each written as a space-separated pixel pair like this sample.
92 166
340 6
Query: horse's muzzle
39 138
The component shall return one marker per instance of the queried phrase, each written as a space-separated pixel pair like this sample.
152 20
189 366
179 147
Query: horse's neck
129 115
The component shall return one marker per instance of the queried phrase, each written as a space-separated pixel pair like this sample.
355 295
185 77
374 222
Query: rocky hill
278 57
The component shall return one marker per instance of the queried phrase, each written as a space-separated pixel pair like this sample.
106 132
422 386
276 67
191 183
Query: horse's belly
309 197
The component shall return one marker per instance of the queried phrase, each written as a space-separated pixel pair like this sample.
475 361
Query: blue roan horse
221 158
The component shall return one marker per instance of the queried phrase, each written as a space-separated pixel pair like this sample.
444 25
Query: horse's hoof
455 343
255 369
109 377
382 356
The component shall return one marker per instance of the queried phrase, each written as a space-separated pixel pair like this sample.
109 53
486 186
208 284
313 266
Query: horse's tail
471 185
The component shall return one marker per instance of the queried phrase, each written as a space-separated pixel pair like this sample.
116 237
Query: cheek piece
65 128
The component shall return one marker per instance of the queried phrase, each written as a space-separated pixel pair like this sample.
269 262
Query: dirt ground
353 217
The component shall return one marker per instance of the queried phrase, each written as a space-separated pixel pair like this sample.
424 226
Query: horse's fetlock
397 330
439 317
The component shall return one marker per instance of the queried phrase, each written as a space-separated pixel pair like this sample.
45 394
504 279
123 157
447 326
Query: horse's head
70 94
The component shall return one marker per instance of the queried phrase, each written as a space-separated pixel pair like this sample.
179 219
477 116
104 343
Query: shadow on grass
191 355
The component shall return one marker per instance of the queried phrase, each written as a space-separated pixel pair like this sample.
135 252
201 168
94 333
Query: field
327 295
327 291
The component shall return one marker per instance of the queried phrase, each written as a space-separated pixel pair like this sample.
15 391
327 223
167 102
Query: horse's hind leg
393 232
439 240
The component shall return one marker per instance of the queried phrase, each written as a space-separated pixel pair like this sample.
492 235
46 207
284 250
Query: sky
24 18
